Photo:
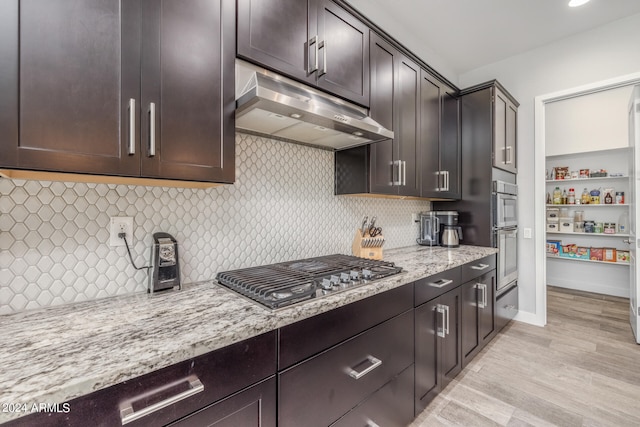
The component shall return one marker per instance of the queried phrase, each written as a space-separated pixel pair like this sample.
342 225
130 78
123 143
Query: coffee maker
450 232
166 268
429 229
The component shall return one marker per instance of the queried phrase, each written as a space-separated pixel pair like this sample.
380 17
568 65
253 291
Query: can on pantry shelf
609 228
619 197
589 226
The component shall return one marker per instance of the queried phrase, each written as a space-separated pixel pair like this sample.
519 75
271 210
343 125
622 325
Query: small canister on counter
589 226
619 197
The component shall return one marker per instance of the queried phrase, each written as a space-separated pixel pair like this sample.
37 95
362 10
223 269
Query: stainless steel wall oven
505 233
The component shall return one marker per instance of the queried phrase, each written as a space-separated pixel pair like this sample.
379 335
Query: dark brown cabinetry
440 144
478 307
423 158
314 41
437 336
354 352
168 394
119 88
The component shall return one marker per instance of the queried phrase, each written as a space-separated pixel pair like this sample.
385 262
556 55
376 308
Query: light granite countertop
59 353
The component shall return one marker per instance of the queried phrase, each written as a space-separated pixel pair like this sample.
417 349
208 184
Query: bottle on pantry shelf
549 199
623 223
585 197
564 197
608 200
571 199
557 196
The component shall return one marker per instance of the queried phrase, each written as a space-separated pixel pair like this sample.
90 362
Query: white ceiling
468 34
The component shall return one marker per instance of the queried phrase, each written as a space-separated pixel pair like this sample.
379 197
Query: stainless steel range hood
273 105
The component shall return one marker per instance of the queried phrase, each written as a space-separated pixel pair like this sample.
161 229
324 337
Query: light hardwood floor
581 369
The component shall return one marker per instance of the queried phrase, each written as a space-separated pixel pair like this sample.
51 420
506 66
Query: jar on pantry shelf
557 196
571 198
585 197
594 197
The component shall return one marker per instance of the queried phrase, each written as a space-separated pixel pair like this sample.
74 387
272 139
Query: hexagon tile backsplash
54 237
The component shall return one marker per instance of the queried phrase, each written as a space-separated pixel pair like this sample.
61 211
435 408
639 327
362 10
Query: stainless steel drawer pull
128 414
357 375
370 423
440 283
132 126
152 129
479 266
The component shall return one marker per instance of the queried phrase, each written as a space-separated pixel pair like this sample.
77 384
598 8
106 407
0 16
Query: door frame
540 316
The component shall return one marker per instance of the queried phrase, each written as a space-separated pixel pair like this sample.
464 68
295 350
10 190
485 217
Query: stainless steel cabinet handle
313 41
510 160
441 310
370 423
483 300
479 266
128 414
323 46
152 129
438 181
440 283
132 126
626 241
404 173
374 364
446 180
446 329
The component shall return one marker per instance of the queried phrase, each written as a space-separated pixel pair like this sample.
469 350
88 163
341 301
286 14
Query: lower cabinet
437 346
320 390
478 314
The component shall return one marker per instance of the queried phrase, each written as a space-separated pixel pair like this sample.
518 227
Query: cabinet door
486 311
9 67
430 96
255 406
500 103
511 138
450 144
343 57
470 335
451 354
384 61
427 380
274 33
407 128
188 90
78 70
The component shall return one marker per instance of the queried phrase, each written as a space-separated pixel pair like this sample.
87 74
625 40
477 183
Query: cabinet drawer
433 286
220 373
332 327
320 390
391 406
506 307
478 267
253 407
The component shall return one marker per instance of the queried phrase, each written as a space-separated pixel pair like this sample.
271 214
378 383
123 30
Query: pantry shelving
588 274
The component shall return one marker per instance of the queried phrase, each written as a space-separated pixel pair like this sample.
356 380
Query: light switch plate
527 233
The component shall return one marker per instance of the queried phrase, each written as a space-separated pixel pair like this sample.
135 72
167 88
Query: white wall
600 54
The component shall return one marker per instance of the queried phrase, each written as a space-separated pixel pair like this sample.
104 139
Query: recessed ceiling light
576 3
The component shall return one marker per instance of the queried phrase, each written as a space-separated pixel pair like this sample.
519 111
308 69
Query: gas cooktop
283 284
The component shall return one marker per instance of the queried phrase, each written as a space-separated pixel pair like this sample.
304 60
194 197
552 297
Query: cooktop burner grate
283 284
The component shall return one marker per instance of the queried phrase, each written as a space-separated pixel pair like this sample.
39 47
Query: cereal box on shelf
553 247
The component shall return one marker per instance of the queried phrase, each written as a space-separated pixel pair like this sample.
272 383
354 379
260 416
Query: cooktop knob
366 274
355 275
335 280
344 278
326 284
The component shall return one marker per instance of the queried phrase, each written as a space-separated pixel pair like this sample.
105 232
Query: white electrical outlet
117 225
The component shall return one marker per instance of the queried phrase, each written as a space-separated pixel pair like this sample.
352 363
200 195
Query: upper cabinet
505 121
314 41
133 89
423 158
440 145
